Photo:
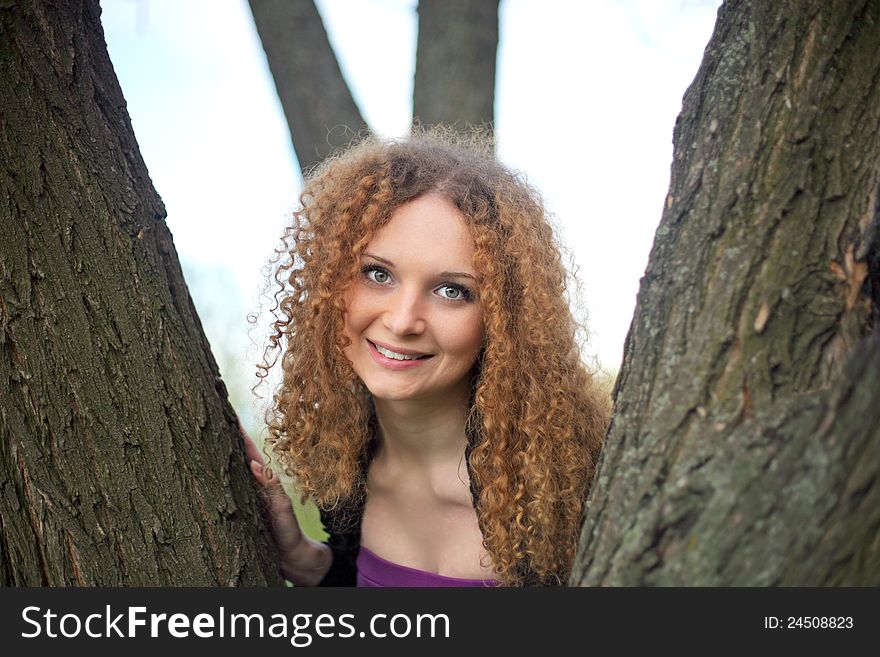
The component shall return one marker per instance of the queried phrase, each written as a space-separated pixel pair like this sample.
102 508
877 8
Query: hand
303 561
285 527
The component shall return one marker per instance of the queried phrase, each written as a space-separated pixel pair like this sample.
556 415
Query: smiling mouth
397 356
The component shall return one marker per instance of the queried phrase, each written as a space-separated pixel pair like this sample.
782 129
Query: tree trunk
745 447
120 458
455 63
321 113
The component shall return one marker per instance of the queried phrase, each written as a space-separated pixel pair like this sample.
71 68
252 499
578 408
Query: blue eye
376 274
454 292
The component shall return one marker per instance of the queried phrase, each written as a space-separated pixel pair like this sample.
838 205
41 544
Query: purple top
373 570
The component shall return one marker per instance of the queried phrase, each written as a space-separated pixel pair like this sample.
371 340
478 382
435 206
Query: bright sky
587 96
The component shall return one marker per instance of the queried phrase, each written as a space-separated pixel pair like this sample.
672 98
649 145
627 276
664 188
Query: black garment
343 524
345 547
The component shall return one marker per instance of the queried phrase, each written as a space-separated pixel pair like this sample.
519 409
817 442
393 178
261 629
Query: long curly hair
537 418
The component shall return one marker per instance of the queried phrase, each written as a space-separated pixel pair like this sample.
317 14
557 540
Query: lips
390 351
396 358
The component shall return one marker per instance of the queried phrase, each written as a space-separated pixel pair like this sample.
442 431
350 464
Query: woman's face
413 316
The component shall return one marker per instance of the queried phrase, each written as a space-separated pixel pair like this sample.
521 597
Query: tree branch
455 63
321 113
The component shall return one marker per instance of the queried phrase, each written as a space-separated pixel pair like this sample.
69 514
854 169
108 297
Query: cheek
354 314
468 335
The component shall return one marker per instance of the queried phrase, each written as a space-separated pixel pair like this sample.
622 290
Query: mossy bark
120 457
745 446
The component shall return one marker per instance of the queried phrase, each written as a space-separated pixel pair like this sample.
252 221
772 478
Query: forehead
427 230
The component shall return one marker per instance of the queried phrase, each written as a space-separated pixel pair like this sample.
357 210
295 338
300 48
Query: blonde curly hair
537 418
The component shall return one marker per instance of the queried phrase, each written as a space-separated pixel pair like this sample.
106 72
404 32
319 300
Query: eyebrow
442 274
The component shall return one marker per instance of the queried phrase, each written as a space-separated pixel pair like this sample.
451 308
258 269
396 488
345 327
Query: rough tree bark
455 63
320 111
745 446
120 458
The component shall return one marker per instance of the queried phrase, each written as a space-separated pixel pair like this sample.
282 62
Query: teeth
394 354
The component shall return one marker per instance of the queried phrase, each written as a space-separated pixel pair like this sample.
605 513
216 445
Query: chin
398 393
392 393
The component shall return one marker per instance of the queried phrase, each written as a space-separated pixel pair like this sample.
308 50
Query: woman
433 403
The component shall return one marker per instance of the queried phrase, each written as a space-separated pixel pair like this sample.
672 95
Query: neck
423 433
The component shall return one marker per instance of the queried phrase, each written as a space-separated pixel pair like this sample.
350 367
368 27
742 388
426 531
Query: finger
259 473
285 526
250 448
275 491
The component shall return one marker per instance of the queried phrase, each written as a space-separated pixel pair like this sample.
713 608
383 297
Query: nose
404 314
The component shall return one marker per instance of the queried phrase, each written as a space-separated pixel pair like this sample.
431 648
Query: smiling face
413 316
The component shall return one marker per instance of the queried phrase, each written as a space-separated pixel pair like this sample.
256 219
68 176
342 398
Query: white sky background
587 93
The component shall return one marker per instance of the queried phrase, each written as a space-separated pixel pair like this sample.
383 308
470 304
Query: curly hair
537 418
